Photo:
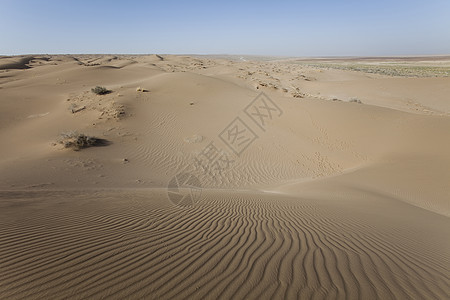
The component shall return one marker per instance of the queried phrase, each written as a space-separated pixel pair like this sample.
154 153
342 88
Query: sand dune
229 245
342 193
19 62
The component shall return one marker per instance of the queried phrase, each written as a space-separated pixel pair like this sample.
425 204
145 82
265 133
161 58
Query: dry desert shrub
77 141
139 89
355 100
100 90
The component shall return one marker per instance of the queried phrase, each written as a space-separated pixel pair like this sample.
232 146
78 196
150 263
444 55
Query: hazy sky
289 28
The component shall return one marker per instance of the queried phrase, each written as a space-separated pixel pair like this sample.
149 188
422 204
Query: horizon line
242 55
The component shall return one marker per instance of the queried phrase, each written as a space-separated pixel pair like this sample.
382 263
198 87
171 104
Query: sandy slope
332 199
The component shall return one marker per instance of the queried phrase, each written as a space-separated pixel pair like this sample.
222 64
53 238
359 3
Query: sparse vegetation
139 89
77 141
355 100
386 69
100 90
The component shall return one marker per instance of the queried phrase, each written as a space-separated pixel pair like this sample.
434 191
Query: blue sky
284 28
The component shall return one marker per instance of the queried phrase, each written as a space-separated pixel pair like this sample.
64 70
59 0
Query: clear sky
285 28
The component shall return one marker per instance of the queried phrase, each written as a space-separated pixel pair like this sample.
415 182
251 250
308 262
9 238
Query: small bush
78 141
100 90
139 89
355 100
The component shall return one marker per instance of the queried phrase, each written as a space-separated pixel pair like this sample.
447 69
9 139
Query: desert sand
225 177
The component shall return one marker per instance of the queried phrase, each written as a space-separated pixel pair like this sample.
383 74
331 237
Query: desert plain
224 177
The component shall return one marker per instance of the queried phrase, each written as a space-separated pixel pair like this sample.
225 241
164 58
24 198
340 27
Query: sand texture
224 177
